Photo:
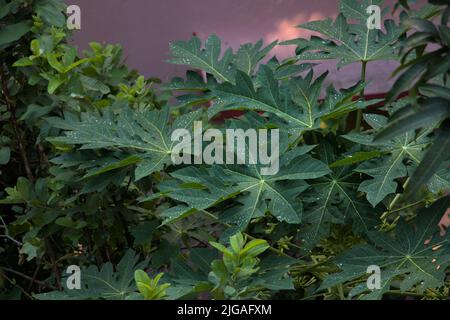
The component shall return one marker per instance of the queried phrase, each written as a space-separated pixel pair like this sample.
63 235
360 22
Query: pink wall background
145 27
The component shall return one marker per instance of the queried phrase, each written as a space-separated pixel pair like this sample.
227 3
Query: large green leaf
386 169
106 282
222 70
197 188
269 98
52 12
210 58
147 134
278 190
295 102
350 42
334 199
256 193
415 252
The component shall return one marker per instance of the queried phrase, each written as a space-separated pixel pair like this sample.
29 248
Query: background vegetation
87 178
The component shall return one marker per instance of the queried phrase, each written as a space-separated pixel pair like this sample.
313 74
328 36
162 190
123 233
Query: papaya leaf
103 283
415 252
147 134
350 42
386 169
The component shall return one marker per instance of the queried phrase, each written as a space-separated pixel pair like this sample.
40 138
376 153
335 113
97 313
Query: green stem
303 269
361 96
389 212
398 195
341 292
314 137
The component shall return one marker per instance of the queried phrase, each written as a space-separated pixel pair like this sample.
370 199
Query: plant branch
54 265
16 285
20 274
6 235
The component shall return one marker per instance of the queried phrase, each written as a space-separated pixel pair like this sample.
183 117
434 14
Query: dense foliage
88 180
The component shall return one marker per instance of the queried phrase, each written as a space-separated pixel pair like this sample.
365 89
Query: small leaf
221 248
94 84
5 154
54 83
255 248
13 32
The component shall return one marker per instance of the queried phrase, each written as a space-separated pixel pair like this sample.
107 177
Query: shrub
93 182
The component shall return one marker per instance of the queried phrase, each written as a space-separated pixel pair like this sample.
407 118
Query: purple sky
145 27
